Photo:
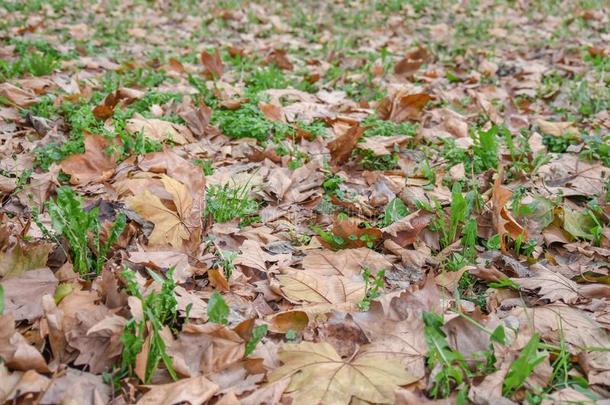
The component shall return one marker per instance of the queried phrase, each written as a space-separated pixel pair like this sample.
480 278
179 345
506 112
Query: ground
304 202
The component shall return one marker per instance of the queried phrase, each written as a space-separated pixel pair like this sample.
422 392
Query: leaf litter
243 202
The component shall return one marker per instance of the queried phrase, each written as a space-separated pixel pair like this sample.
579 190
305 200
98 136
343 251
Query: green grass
82 229
225 203
159 309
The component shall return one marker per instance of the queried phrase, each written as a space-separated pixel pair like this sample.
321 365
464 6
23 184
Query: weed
258 333
331 184
523 366
597 148
370 161
395 210
270 77
159 309
218 310
452 366
224 261
206 165
225 203
373 285
448 225
245 122
493 243
485 150
70 220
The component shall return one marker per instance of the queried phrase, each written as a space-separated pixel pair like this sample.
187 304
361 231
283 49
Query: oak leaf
319 375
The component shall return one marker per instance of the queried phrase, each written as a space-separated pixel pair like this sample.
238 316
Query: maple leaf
170 226
319 375
317 289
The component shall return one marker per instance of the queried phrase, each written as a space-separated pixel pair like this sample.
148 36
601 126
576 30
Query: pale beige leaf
159 130
23 294
320 375
315 289
549 285
345 262
194 391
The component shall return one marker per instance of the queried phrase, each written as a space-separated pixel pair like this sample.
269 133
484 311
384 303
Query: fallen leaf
15 384
77 386
406 230
17 96
93 166
403 106
23 294
16 351
170 225
159 130
194 391
206 349
319 375
549 285
22 257
503 222
341 147
408 65
345 262
315 289
212 63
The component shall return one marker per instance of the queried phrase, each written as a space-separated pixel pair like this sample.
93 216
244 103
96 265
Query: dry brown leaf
582 334
17 96
93 166
345 262
313 288
77 386
213 63
16 351
320 375
96 335
353 234
194 391
403 106
23 256
272 112
23 294
341 147
406 230
408 65
557 128
503 222
197 120
159 130
171 226
15 384
549 285
206 349
382 145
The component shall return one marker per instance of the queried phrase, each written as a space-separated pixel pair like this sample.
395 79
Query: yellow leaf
170 225
320 376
